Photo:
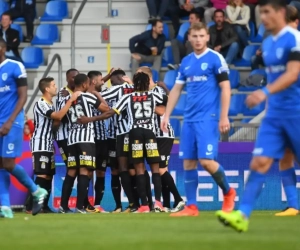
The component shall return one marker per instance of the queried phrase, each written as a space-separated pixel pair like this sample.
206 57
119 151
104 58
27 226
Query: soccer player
279 128
13 96
81 158
42 139
165 144
205 73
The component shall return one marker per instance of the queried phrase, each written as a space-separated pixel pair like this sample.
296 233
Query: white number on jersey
76 111
142 109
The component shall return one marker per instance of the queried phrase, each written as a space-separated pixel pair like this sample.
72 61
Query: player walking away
286 164
280 127
62 140
13 96
81 158
165 144
42 140
205 73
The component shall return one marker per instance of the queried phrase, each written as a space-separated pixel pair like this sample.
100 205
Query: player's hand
83 120
111 71
127 79
164 124
75 95
161 84
224 125
4 130
64 93
136 56
255 98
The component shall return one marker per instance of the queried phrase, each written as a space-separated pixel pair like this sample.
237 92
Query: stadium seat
180 106
55 11
175 123
167 57
3 7
253 88
32 57
165 30
252 30
170 78
236 104
260 34
210 24
253 111
258 72
183 29
18 28
46 34
249 51
234 77
155 75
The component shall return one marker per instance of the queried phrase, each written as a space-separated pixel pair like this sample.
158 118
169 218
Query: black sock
165 194
82 186
99 190
148 189
134 190
157 186
141 187
49 189
86 200
116 190
126 184
66 191
29 202
169 181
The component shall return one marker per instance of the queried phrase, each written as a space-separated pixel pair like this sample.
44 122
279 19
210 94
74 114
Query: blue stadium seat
260 34
18 28
210 24
32 57
175 123
234 77
252 30
185 18
236 104
258 72
249 51
253 111
180 106
55 11
170 78
167 57
3 7
183 29
155 75
165 30
46 34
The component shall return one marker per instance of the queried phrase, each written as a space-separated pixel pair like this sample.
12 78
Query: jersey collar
203 54
281 33
69 90
47 100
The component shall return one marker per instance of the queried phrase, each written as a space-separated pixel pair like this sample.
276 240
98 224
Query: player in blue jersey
205 74
13 95
280 127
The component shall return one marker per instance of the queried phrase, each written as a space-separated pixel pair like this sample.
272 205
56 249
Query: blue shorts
199 140
11 144
275 135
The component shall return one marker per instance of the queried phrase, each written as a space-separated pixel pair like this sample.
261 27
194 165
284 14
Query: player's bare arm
103 116
100 98
103 107
224 124
163 85
160 110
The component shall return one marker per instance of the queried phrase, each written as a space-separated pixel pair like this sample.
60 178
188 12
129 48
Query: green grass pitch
146 232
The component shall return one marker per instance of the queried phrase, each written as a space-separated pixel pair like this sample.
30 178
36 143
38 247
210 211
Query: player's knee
8 164
72 172
84 171
132 172
261 164
287 161
100 173
163 170
154 168
114 171
189 164
209 165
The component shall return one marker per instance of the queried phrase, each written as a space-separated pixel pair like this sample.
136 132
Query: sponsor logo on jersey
5 88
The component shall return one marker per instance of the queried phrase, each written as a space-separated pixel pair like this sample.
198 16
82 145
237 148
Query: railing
109 7
49 67
73 32
241 132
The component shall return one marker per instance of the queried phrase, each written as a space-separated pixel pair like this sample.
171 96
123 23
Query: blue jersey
202 74
277 51
12 75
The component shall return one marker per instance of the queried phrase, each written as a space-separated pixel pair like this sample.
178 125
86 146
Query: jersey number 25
142 109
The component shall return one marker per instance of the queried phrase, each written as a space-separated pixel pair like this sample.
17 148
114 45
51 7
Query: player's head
273 14
198 36
70 74
147 71
157 26
194 17
81 82
116 77
141 81
5 20
96 79
219 17
48 87
292 16
2 47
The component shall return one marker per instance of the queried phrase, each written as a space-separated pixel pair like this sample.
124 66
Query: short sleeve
180 79
121 104
294 54
44 109
221 69
93 100
160 99
20 74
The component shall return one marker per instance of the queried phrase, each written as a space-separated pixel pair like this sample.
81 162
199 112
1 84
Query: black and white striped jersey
82 133
140 108
62 132
117 124
99 127
159 132
42 138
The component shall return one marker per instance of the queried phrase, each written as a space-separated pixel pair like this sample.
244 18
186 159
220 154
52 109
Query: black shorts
101 154
164 148
43 163
64 150
143 146
122 147
112 154
82 155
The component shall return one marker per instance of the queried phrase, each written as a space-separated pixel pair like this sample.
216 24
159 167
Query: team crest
279 53
209 147
4 76
204 66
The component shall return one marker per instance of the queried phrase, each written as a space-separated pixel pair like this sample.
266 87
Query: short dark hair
155 22
276 4
7 14
196 13
118 72
80 79
219 11
291 14
71 70
94 73
45 83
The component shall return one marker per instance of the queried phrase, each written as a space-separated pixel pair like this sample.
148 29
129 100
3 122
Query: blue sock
221 179
252 190
4 188
289 181
23 178
191 185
